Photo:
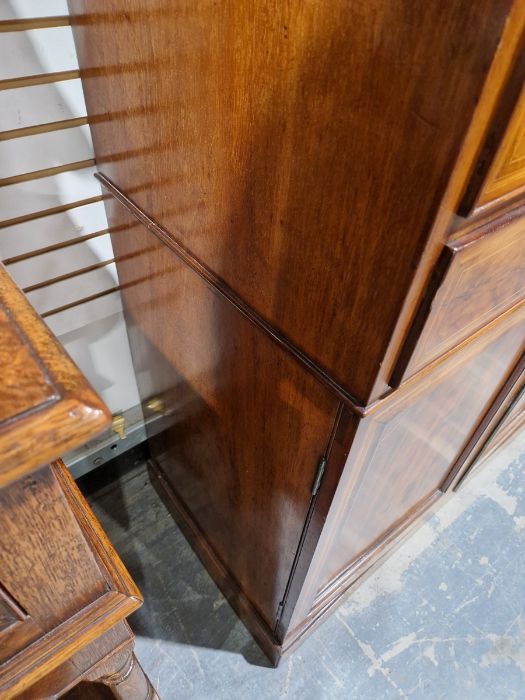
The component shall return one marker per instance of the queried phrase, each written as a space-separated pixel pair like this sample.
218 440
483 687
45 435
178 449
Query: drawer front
17 629
47 570
478 277
506 174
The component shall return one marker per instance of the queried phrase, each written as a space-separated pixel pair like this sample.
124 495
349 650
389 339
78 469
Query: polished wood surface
46 405
62 586
249 426
282 154
292 195
507 173
66 605
506 417
425 428
478 277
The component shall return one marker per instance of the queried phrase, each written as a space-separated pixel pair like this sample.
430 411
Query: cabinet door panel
507 172
506 419
246 423
481 275
404 452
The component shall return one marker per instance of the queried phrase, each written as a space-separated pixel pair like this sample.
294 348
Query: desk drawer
47 569
478 277
61 584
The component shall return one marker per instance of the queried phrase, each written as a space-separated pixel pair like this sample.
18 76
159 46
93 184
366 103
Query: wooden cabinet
248 424
64 594
326 315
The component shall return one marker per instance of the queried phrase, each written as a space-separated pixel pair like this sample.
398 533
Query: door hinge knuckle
318 476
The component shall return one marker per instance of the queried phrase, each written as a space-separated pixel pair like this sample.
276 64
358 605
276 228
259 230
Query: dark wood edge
494 442
420 318
52 649
343 584
494 206
220 287
215 567
493 221
107 558
495 134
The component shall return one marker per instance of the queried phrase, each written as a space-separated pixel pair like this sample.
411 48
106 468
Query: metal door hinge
318 476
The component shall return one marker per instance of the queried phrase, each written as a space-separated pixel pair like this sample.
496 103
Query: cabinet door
404 452
246 423
479 276
506 418
506 175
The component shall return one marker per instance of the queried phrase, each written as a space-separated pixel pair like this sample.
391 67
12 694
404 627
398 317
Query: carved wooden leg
124 676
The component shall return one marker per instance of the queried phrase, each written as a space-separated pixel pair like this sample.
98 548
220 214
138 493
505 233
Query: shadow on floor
181 602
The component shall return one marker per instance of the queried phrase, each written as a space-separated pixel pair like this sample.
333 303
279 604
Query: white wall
53 228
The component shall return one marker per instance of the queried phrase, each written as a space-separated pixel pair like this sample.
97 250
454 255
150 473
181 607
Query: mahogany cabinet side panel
299 150
246 425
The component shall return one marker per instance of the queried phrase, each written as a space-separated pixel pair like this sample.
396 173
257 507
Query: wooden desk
64 593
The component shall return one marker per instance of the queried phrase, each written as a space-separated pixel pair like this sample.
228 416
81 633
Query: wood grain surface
480 275
248 425
46 405
299 150
60 571
403 452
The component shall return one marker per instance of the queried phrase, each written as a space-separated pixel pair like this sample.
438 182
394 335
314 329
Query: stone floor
443 618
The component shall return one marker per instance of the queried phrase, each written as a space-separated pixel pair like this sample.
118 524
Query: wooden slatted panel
56 102
53 227
37 51
28 154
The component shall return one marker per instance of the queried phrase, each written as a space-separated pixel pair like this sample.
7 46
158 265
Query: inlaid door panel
507 172
507 418
404 450
479 276
247 424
